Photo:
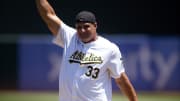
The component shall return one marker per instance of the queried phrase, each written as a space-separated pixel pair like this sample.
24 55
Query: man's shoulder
67 28
107 43
104 40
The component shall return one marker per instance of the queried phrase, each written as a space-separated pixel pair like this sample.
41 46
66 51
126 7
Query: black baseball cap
85 16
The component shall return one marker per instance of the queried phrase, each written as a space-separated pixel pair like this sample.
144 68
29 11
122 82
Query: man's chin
85 40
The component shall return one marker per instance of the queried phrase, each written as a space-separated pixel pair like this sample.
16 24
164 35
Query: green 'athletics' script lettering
82 58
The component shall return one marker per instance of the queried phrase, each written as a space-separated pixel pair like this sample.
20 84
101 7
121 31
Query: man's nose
82 30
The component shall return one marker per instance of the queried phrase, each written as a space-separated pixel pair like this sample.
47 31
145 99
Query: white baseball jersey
86 69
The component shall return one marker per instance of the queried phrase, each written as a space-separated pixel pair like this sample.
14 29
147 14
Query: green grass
28 96
53 96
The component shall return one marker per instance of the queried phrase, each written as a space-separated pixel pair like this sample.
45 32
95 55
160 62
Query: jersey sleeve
64 35
115 64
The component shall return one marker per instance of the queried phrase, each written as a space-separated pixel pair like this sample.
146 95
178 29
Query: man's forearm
44 8
47 13
126 87
129 91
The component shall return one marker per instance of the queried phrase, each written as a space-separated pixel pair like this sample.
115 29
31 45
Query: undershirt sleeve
64 35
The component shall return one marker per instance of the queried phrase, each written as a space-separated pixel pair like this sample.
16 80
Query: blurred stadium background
145 31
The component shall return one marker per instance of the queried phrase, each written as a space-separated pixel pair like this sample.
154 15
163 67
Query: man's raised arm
49 16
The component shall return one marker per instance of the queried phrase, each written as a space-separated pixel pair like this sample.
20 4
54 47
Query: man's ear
95 24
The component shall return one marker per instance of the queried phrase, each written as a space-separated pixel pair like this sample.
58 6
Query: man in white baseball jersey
89 60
